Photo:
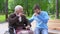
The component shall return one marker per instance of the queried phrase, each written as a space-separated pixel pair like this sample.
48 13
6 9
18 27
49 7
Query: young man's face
37 11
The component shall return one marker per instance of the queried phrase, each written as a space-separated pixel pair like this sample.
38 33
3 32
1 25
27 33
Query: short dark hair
36 6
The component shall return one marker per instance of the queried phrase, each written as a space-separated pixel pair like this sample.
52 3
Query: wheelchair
23 31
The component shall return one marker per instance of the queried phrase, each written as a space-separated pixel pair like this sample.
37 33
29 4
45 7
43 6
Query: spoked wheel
7 32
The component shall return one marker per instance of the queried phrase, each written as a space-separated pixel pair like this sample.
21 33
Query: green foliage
46 5
1 4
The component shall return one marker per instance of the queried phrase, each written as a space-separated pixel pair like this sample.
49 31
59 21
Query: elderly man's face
20 10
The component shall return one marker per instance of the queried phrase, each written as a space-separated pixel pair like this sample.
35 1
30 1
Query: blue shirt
42 19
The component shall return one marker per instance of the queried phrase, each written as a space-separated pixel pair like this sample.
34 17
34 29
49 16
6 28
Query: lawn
2 18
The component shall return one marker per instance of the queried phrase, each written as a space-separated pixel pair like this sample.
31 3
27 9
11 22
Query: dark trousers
11 30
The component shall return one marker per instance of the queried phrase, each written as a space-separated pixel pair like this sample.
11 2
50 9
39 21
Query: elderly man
17 20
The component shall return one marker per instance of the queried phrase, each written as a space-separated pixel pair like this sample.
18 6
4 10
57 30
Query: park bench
54 26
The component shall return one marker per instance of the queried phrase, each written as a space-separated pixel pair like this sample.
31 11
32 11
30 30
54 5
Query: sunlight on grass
2 18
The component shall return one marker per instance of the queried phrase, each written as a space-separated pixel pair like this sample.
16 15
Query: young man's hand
35 14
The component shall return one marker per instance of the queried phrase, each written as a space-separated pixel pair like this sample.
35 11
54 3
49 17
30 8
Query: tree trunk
6 9
57 10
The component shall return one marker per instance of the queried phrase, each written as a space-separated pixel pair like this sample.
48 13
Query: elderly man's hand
20 14
28 27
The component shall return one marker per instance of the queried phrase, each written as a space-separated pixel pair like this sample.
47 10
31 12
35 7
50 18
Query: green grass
2 18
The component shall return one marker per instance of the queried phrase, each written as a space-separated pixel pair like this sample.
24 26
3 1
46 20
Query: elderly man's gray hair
18 7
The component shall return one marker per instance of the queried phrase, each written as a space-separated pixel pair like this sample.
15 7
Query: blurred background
51 6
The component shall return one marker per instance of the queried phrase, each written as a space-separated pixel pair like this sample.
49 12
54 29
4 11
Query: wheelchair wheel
7 32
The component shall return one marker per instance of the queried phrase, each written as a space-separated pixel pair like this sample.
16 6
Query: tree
51 7
57 9
1 6
46 5
6 9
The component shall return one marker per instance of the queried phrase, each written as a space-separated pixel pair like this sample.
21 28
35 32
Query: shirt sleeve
44 18
12 19
31 19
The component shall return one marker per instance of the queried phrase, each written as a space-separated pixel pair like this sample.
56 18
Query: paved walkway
4 27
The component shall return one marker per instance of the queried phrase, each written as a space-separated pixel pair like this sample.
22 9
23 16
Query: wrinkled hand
20 14
28 27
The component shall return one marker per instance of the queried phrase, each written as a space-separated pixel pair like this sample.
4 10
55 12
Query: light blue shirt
42 19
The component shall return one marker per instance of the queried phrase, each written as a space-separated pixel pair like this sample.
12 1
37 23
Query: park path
4 27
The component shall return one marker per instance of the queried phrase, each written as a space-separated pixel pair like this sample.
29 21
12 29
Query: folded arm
12 19
44 19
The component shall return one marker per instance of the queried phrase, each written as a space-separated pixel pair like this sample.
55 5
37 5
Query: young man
42 18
